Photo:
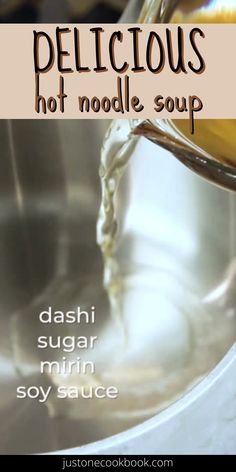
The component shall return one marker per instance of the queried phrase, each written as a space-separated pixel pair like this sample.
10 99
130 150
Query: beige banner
154 91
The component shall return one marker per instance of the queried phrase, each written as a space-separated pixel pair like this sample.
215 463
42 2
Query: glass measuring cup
210 153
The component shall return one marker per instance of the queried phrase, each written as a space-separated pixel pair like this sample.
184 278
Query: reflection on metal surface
61 10
169 257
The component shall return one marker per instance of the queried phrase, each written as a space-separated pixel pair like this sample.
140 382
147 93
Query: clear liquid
116 151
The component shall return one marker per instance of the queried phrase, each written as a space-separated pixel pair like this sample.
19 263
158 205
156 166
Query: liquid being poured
217 138
158 296
116 151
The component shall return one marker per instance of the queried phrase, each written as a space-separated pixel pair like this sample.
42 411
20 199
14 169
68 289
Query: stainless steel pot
176 226
49 203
